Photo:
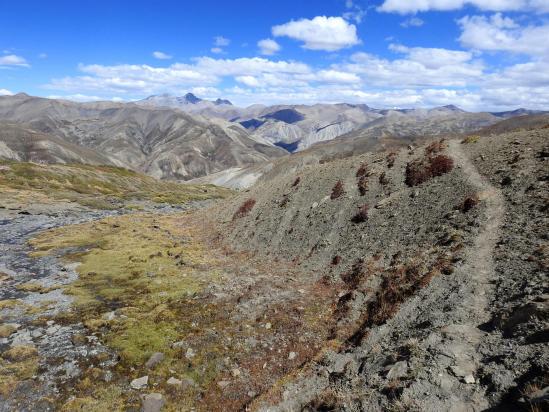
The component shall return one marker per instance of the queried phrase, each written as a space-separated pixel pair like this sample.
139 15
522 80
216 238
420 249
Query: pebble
292 355
140 383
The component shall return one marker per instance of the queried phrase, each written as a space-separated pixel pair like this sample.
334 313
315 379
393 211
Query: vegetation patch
244 209
338 190
420 171
471 139
99 187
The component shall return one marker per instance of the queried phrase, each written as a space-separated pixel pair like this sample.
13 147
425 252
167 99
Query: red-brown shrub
362 185
244 209
383 179
440 165
391 157
420 171
336 260
362 170
469 203
337 190
362 215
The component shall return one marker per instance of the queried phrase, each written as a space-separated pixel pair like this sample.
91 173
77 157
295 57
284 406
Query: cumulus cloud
409 6
499 33
161 55
320 33
5 92
412 22
13 60
268 47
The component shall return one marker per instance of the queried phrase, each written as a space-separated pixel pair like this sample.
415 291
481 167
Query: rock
398 370
292 355
223 384
236 372
153 402
154 360
36 333
190 353
179 345
315 205
174 381
268 325
469 379
140 383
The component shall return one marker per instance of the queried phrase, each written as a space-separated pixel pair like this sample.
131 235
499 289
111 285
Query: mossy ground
98 187
166 282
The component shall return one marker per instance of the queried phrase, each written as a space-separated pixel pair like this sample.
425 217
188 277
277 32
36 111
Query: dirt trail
460 339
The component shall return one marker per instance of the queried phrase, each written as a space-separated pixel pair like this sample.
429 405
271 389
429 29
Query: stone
140 383
190 353
235 372
292 355
174 381
154 360
153 402
78 339
315 205
469 379
268 325
223 384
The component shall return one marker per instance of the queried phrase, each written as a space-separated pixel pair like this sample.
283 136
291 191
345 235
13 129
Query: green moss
109 398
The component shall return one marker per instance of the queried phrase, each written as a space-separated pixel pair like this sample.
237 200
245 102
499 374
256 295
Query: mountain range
186 137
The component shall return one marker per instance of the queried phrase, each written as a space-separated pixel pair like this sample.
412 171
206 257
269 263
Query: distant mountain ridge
297 127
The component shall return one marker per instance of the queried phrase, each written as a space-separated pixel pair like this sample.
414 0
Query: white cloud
250 81
78 97
161 55
498 33
412 22
433 58
268 47
13 60
216 50
5 92
42 56
354 12
221 41
320 33
410 6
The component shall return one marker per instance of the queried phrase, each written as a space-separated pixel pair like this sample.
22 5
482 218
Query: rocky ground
405 280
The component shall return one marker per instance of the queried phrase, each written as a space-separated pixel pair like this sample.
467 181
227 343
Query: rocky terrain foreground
408 280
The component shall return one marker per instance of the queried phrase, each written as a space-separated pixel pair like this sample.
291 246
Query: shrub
435 147
336 260
362 185
285 200
440 165
470 139
362 170
416 173
420 171
469 203
296 181
362 215
391 157
383 179
337 190
244 209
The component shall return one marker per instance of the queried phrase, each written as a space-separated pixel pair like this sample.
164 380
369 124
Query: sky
476 54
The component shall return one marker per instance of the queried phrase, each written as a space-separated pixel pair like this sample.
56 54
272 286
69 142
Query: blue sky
478 54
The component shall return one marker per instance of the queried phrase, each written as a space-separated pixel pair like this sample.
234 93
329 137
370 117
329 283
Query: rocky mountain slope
164 143
405 279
